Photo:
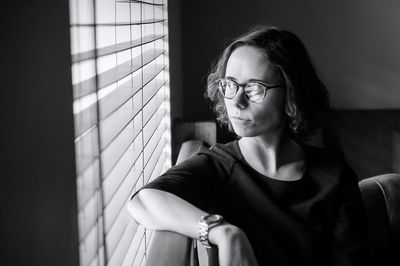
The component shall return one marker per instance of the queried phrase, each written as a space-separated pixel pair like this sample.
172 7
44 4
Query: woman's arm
159 210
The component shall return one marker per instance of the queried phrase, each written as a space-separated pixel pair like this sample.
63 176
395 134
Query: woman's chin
244 132
254 131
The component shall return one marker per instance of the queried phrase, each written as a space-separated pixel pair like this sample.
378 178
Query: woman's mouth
238 118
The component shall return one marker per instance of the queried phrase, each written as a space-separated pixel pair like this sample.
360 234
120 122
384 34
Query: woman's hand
234 248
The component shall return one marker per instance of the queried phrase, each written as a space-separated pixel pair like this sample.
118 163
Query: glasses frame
265 86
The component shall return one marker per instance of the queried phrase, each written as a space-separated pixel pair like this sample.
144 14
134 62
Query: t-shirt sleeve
350 227
196 180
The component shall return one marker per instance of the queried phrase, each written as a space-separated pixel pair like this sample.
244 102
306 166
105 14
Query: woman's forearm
159 210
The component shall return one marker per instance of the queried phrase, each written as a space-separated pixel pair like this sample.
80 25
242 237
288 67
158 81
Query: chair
381 196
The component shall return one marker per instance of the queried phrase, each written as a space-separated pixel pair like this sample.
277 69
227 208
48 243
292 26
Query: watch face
213 218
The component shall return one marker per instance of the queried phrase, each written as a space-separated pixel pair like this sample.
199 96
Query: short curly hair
307 98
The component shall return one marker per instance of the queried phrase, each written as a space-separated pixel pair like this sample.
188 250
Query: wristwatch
205 224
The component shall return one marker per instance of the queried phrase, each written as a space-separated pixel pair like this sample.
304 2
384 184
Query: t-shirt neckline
242 160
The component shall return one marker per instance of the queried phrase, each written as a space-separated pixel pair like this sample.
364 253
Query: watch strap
205 224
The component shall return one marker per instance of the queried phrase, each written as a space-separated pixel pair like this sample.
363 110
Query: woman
266 198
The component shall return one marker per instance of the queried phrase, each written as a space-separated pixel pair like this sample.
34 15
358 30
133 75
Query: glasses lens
228 88
255 91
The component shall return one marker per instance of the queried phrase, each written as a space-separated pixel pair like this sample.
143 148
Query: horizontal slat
151 55
117 174
149 237
120 171
99 258
114 234
149 75
96 262
88 142
86 149
118 201
143 2
153 87
152 124
134 247
148 169
107 105
159 167
90 246
116 98
115 48
87 216
113 152
118 228
110 154
84 145
131 23
87 183
140 254
119 193
114 74
136 179
153 142
153 105
113 240
85 120
116 258
119 119
115 123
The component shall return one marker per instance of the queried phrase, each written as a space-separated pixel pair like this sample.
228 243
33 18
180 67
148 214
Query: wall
38 188
354 45
175 56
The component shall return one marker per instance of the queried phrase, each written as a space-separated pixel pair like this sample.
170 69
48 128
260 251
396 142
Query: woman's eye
254 89
230 85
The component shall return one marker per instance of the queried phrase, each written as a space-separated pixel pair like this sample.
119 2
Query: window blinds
122 124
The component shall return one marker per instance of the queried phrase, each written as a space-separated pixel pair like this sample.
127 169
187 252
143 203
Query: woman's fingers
234 248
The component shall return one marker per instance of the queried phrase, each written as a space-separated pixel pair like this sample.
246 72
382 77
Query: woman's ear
290 108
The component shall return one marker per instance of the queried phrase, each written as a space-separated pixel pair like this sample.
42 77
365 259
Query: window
122 122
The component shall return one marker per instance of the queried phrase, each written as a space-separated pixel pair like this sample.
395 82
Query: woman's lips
238 118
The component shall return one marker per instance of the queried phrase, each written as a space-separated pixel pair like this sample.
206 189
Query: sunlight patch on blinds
120 76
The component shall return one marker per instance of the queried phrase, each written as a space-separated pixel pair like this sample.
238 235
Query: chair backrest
381 196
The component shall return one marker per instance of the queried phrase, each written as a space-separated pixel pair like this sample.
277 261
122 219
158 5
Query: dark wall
354 45
369 139
38 187
175 57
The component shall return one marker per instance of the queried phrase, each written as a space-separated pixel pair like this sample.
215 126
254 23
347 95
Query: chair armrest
388 187
169 249
381 196
189 148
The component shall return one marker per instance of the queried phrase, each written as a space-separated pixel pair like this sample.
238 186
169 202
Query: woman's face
251 119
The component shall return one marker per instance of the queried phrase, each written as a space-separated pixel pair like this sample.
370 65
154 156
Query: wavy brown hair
306 96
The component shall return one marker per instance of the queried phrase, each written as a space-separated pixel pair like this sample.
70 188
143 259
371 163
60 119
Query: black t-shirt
316 220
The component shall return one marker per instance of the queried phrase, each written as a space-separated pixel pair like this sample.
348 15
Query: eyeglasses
255 91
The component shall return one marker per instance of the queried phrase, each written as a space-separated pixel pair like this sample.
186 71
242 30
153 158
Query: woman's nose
240 100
